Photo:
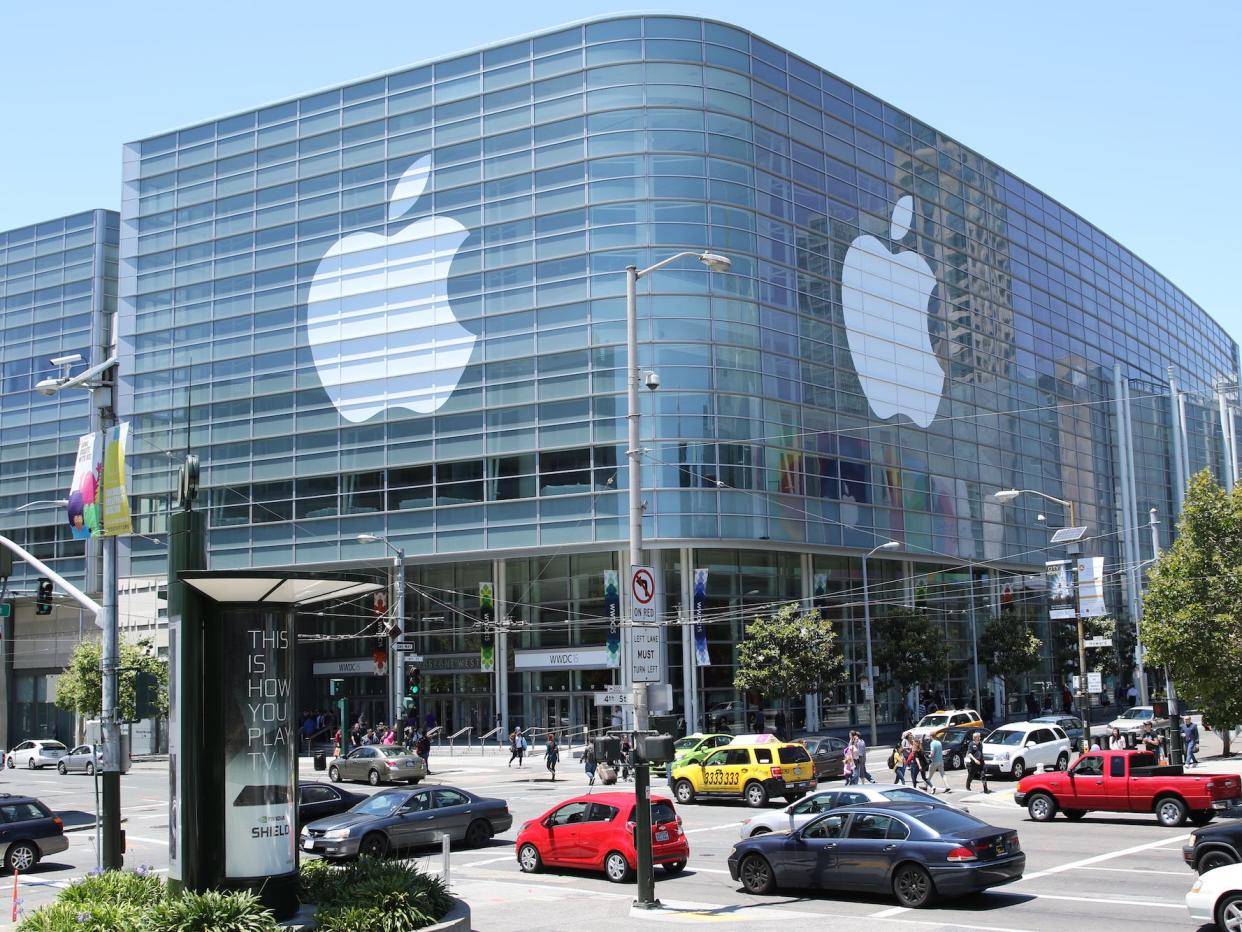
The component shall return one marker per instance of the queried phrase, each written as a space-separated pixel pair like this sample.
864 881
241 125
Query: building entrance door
590 716
552 712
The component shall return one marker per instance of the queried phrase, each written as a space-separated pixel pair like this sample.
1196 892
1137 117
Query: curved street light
887 545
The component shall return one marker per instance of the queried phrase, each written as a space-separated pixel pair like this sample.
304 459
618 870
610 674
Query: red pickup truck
1128 781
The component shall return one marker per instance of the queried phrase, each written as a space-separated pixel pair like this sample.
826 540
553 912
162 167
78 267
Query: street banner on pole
487 640
84 504
1061 596
116 517
702 658
612 605
1091 587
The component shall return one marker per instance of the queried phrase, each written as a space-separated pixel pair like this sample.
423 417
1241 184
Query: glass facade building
397 307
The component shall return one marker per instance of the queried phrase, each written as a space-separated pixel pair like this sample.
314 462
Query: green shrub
364 919
85 917
319 881
396 896
238 911
141 889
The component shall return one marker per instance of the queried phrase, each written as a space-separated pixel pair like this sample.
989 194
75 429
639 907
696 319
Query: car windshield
933 721
947 821
1006 736
686 744
1137 713
381 804
394 752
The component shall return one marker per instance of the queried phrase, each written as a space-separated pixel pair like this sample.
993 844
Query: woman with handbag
517 746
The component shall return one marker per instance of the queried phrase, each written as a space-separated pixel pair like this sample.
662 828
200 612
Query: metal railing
483 739
457 734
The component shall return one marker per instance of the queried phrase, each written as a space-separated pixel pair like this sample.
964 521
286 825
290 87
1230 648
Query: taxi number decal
721 778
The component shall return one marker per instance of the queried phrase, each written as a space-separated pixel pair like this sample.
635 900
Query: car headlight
337 834
1198 885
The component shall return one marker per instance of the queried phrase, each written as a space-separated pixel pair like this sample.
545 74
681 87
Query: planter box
456 919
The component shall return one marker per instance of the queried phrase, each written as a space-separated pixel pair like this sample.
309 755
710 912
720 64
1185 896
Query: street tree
80 687
1192 619
788 654
1009 648
909 648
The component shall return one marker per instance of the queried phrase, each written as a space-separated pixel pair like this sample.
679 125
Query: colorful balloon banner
612 604
487 616
702 657
116 516
84 493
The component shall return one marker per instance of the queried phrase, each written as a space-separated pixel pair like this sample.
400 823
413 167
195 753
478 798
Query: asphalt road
1107 872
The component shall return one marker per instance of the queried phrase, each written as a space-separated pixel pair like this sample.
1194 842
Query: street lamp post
1084 700
396 667
887 545
642 810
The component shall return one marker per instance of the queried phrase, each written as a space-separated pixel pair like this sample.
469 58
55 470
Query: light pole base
652 904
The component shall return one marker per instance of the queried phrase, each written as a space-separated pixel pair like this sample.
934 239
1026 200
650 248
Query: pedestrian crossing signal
43 602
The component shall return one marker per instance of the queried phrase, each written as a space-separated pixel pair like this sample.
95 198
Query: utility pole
642 809
398 612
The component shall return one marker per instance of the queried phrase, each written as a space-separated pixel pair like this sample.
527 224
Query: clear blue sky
1127 113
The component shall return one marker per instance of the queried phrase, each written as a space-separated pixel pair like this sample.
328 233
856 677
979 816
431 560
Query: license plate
661 836
308 844
1000 849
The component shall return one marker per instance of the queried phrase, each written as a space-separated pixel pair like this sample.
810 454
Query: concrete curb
456 919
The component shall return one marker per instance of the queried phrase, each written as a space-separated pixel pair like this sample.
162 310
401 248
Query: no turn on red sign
643 601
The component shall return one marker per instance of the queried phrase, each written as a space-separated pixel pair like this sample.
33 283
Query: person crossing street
935 765
975 768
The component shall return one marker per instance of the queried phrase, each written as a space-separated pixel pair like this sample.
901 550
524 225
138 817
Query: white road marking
707 870
711 828
1135 870
507 857
1107 856
1095 898
886 913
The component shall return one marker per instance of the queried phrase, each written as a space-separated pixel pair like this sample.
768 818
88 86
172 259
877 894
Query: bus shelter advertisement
259 754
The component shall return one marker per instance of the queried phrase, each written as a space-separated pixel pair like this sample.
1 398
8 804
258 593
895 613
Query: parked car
828 753
596 832
399 818
36 754
1131 723
1217 897
1022 747
954 741
754 768
796 815
915 851
29 832
934 724
378 764
84 758
1128 781
1071 725
692 748
319 800
1214 846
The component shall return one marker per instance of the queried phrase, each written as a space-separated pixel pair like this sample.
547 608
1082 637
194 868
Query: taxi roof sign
755 739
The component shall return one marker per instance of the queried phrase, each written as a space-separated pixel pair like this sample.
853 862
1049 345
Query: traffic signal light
43 602
413 689
146 693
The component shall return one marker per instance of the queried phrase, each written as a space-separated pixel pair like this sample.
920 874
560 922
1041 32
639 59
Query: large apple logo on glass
885 296
378 319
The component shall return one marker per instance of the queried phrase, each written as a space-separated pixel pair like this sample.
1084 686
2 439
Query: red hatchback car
596 832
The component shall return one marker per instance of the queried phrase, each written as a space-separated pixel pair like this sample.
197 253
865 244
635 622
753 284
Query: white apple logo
381 329
885 296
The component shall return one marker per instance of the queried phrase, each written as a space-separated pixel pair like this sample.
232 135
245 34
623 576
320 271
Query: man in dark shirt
974 762
1190 741
1149 740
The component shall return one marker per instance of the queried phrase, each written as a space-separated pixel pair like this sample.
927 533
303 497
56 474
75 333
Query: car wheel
684 791
674 867
30 764
1063 762
1019 769
913 886
756 795
10 763
1074 814
61 768
756 874
1170 812
1041 807
955 761
373 777
479 833
333 774
616 867
761 830
373 845
416 780
1213 860
529 860
1229 912
22 856
90 770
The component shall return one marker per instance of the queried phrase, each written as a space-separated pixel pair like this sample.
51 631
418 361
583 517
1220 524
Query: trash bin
321 761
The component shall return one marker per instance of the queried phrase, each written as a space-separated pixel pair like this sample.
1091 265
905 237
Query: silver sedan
797 814
84 758
376 764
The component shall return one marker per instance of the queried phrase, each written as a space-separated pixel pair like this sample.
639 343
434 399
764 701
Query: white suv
1019 748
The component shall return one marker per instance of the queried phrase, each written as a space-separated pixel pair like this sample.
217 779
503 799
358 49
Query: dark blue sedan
915 851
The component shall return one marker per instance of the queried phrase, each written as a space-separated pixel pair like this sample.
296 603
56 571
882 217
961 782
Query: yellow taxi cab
935 724
754 768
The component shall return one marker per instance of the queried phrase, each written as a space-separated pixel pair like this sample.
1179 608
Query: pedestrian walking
849 766
860 762
974 762
625 758
758 723
551 754
423 749
897 761
913 765
589 764
936 765
1132 696
780 725
1190 741
1150 740
517 746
